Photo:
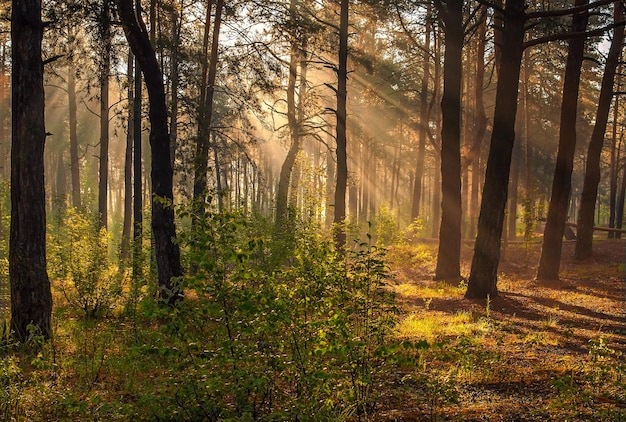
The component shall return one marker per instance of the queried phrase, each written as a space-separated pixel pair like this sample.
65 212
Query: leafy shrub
79 260
305 341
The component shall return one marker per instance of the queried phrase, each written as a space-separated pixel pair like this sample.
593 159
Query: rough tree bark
424 118
294 127
342 158
74 162
31 300
203 143
449 254
128 163
483 275
550 260
592 169
103 175
167 253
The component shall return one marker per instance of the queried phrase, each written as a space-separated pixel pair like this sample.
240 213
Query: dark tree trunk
619 213
174 74
31 300
105 65
342 158
137 173
481 122
550 260
584 235
528 185
203 144
424 117
613 164
330 184
483 275
74 163
513 191
128 163
294 129
167 253
436 186
449 254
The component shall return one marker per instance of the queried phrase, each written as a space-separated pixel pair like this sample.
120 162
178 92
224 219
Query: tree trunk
203 144
449 254
105 65
584 235
128 163
528 184
619 214
550 260
424 117
515 168
342 158
284 178
613 164
74 163
31 300
167 253
483 275
137 173
174 73
330 183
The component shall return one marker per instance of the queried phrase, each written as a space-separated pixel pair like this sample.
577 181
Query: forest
312 210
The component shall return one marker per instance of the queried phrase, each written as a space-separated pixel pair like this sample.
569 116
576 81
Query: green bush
79 261
305 341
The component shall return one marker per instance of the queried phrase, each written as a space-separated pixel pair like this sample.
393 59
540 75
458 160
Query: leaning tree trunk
341 112
294 129
483 275
449 255
31 300
167 253
550 260
592 170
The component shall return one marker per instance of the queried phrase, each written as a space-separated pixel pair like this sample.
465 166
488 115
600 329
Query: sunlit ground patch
439 325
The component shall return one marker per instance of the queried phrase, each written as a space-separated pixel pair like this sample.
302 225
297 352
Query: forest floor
536 352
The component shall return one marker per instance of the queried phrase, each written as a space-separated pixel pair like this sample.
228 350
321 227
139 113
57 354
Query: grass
437 326
533 353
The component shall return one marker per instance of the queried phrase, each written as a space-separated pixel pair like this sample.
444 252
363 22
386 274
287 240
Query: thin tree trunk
589 195
449 254
480 129
31 300
550 260
528 186
294 129
174 75
74 163
424 118
128 163
103 178
137 174
342 159
619 214
613 165
330 184
202 146
513 191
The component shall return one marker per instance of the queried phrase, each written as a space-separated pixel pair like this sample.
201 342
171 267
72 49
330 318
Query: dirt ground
540 352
